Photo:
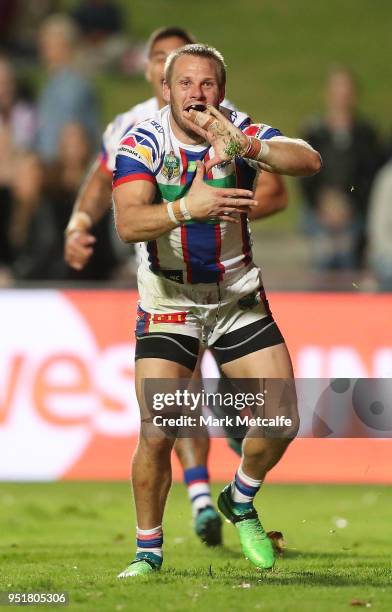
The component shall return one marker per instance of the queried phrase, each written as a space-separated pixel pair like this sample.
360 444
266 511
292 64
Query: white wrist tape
264 151
80 221
185 212
171 214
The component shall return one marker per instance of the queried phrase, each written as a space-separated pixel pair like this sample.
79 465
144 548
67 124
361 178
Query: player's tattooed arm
281 155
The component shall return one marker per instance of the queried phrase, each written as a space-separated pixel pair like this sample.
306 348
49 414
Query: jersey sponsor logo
130 153
158 127
130 146
130 141
171 166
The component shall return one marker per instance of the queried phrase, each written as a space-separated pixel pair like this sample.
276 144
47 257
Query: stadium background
67 391
67 407
66 356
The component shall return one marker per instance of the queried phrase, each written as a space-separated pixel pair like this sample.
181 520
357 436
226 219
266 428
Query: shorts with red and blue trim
232 319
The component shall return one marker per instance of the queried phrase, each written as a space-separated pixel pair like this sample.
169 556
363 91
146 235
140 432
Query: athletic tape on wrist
80 221
257 149
171 214
185 212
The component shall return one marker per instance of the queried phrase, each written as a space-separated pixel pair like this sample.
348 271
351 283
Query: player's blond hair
198 50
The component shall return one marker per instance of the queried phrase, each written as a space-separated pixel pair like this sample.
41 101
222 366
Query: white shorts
202 311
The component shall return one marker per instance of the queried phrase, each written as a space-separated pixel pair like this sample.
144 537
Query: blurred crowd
48 140
345 214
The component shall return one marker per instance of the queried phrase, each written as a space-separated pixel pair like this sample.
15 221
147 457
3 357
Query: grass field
77 536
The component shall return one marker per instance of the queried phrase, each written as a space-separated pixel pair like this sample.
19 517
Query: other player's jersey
124 122
205 252
118 127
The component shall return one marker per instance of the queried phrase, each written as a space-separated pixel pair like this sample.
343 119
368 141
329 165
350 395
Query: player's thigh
269 362
152 368
273 368
152 380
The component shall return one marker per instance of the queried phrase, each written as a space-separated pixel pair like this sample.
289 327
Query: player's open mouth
199 107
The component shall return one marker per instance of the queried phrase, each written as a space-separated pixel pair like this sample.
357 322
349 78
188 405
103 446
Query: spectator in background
32 232
18 127
101 23
63 182
45 204
19 22
337 197
8 9
98 20
66 97
380 228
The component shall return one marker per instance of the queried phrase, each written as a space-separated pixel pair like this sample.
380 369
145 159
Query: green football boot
255 544
144 563
208 526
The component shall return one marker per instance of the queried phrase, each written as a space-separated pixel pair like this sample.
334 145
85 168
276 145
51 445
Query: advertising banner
68 407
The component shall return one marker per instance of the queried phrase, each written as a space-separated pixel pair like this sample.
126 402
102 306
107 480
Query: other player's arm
290 156
139 220
271 196
92 202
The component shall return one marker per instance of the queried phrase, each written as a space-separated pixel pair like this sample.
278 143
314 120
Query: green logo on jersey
192 166
171 166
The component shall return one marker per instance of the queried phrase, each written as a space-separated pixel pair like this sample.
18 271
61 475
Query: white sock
197 482
149 540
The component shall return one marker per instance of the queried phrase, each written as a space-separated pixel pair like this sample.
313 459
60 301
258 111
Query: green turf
78 536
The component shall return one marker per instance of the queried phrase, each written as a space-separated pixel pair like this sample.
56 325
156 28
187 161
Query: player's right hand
78 248
226 139
206 202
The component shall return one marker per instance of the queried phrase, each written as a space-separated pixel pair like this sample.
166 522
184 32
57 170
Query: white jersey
124 122
196 252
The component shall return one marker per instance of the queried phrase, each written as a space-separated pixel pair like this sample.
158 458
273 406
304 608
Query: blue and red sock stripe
244 488
206 494
149 542
196 474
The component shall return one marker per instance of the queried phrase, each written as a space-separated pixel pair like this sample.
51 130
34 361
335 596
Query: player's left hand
225 138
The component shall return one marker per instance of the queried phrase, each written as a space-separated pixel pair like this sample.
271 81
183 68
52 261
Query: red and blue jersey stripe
201 246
